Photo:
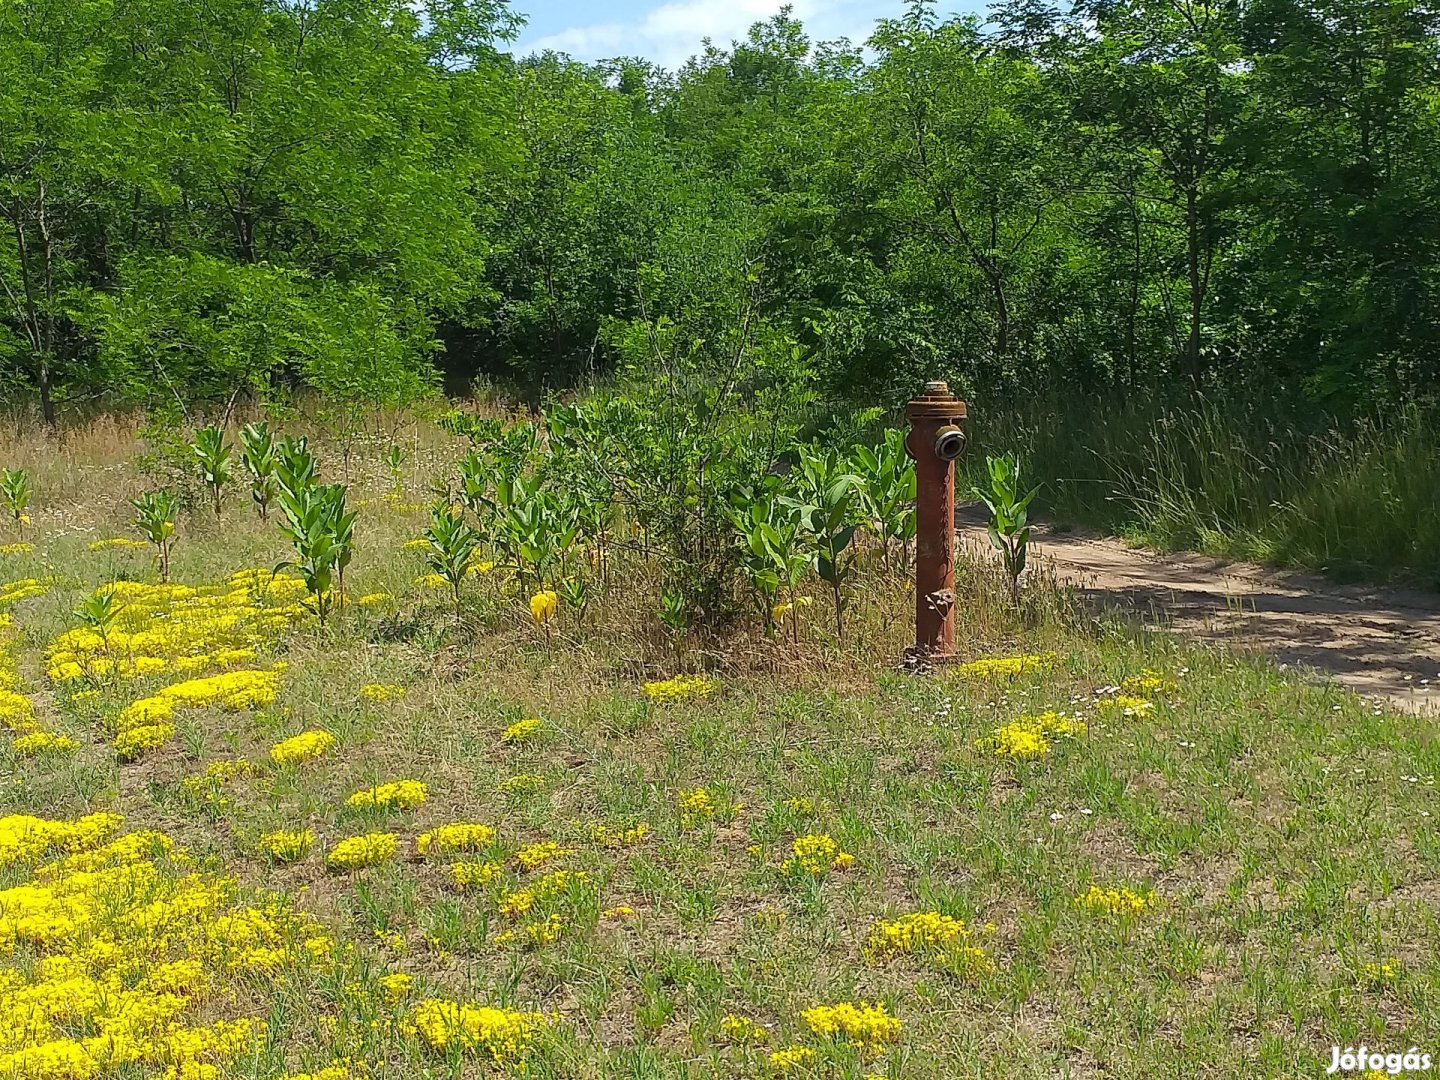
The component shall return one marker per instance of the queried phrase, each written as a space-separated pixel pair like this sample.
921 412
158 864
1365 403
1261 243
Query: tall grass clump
1358 498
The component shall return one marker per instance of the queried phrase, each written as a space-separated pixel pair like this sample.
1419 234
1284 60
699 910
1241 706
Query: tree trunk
1197 285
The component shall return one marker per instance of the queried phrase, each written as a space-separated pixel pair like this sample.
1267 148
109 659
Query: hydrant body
936 439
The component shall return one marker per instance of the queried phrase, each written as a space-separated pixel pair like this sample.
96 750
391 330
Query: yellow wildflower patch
1030 736
381 691
699 804
680 688
475 875
146 723
357 852
742 1030
180 629
374 599
616 836
504 1036
817 854
135 947
522 731
521 784
1127 705
793 1059
926 933
545 931
460 836
16 549
534 856
111 542
1003 667
1119 903
306 746
12 592
396 795
44 742
868 1026
287 845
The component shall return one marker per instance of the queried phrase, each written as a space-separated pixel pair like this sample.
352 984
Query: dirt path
1380 642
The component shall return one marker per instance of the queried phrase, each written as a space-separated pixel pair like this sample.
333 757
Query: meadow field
430 838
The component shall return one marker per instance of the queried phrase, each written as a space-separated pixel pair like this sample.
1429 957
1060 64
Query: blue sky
669 31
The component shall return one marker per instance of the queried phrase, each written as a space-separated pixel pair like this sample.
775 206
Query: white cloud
672 32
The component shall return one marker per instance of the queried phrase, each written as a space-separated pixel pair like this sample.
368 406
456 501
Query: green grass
1287 831
1273 482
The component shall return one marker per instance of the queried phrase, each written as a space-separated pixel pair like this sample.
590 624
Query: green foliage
774 559
155 518
827 501
15 494
99 611
887 494
453 544
1009 516
394 459
258 454
212 454
317 523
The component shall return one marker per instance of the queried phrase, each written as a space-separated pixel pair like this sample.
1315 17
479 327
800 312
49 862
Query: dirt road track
1379 642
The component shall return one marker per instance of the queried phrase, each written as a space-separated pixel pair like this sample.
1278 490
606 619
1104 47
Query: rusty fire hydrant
935 441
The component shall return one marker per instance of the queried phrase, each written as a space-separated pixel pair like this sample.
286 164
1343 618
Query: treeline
202 199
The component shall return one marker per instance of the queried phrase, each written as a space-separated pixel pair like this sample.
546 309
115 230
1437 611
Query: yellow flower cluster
1128 705
545 888
680 688
793 1059
287 845
926 933
817 854
521 731
475 875
868 1026
616 837
120 945
1148 682
1030 736
545 931
396 985
374 599
16 549
23 838
178 629
381 691
505 1036
800 806
460 836
396 795
44 742
991 667
698 805
534 856
116 542
1383 971
12 592
1119 903
357 852
330 1072
17 712
147 723
306 746
521 784
742 1030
